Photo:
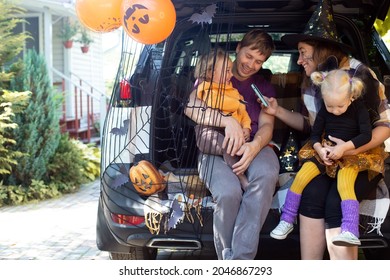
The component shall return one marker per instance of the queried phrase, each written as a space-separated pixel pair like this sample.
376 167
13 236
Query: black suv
145 121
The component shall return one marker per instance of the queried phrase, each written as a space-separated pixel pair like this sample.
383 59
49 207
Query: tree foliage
38 131
11 44
11 103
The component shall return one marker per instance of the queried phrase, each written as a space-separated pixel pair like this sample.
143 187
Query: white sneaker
346 238
282 230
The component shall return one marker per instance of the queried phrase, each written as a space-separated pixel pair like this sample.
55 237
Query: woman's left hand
272 107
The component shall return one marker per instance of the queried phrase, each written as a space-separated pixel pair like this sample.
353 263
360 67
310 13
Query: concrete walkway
56 229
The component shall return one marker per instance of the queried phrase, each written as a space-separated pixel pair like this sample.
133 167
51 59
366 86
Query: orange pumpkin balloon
148 21
99 15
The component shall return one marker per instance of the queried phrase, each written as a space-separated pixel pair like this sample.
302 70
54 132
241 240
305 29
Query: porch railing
81 124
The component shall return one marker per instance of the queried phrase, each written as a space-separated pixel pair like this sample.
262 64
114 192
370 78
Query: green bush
73 164
16 195
67 164
39 191
91 156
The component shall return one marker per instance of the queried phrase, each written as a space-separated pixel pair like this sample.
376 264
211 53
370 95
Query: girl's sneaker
282 230
346 238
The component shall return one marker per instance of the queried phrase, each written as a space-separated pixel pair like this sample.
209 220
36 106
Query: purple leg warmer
290 207
350 221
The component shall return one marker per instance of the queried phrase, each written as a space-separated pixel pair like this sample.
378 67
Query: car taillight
127 220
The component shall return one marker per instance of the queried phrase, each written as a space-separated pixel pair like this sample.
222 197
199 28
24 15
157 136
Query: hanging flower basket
84 49
85 40
67 33
68 44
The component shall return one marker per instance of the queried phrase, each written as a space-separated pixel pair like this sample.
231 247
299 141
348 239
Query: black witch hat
321 27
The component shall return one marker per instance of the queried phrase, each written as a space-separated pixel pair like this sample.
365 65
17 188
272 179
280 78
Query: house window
32 27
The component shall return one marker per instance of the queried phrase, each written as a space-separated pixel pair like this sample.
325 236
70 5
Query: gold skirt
371 160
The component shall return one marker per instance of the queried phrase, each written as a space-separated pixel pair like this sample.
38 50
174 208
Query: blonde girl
343 115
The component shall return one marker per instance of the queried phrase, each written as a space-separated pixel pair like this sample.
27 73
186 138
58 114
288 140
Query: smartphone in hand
259 95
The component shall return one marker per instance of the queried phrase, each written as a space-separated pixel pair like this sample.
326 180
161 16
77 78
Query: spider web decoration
153 126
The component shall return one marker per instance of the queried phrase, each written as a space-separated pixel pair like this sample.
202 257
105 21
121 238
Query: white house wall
88 66
58 51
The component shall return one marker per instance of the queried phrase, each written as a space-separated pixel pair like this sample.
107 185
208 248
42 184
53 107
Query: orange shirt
225 98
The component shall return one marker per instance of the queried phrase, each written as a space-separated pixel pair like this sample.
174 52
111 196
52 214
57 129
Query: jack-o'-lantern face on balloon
135 17
148 21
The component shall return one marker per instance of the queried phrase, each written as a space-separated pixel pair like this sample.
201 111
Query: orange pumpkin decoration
146 179
99 15
148 21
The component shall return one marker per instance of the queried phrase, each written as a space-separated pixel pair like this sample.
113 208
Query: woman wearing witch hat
320 204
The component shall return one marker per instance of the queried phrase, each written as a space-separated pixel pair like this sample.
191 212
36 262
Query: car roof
369 10
276 17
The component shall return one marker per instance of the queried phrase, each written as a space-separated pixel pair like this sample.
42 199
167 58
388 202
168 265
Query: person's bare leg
312 238
339 252
230 160
209 141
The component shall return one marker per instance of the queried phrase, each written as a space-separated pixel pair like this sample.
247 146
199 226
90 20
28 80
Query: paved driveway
57 229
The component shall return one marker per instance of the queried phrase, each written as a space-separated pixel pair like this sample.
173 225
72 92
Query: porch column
48 41
69 87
